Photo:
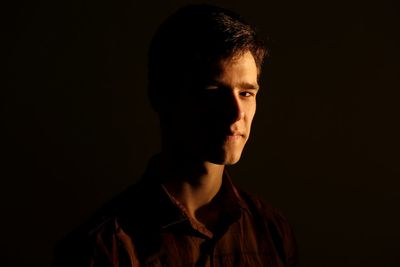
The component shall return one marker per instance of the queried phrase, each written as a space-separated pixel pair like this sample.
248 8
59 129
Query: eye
247 94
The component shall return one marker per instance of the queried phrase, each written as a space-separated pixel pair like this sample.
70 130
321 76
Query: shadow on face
211 121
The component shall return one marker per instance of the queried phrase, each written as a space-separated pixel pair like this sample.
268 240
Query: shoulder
86 242
273 221
78 248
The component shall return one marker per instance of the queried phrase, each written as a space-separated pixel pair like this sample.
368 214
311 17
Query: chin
223 155
225 159
232 160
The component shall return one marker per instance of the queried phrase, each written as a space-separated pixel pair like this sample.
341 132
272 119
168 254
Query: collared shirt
147 226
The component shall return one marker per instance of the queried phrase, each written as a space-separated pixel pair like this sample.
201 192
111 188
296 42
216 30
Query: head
204 64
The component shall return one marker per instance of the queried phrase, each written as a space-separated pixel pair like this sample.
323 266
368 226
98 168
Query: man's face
217 117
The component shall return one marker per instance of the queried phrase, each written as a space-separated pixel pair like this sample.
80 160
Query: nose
233 107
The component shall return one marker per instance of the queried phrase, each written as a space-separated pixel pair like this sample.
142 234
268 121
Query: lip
233 136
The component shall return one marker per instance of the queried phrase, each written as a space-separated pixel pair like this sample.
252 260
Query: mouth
234 136
231 138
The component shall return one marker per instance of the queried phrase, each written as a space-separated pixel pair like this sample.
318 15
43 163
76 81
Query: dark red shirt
146 226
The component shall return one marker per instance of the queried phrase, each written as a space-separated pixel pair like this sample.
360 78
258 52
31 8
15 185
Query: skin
206 130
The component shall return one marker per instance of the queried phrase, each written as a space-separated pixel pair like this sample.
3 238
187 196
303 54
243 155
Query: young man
204 64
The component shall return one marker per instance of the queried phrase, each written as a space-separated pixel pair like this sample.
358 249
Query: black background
324 148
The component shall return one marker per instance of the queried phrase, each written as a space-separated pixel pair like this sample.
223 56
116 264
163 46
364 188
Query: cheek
251 111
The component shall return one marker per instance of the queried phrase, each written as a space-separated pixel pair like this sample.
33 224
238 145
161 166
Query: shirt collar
171 213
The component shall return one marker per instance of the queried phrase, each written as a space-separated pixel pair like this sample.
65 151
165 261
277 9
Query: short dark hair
192 39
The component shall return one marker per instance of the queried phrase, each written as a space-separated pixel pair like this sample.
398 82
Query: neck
194 183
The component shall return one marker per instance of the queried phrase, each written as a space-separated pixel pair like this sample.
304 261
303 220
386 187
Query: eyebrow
242 85
249 86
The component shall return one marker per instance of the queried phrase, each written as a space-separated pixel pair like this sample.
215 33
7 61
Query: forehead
239 67
242 60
